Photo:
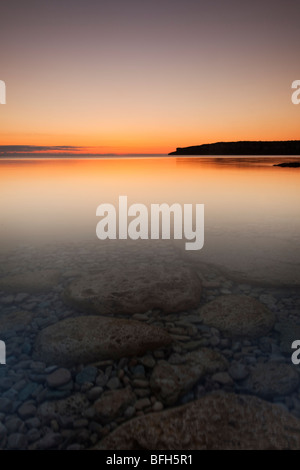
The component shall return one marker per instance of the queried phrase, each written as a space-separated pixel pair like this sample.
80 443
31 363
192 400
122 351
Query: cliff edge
289 147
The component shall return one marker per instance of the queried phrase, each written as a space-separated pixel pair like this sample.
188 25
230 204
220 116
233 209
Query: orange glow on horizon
124 78
44 197
135 139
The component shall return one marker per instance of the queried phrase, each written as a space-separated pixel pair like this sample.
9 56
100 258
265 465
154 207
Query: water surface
252 211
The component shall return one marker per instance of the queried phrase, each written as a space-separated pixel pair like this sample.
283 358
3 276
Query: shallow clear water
183 323
252 211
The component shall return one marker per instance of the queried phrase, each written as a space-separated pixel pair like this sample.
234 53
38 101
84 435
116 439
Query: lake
95 333
252 210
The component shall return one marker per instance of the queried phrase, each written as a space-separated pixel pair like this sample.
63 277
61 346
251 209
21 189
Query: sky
143 77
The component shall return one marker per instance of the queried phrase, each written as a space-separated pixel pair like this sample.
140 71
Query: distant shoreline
288 147
40 158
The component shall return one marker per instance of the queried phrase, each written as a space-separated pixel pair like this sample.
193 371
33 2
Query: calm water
252 210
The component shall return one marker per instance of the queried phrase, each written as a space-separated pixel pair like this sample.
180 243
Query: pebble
27 391
222 378
88 374
37 366
113 383
50 441
54 425
142 403
6 383
58 378
192 345
139 371
3 431
5 405
142 392
50 369
94 393
139 383
129 412
89 413
33 423
80 423
102 379
85 387
27 410
214 341
147 361
17 441
96 427
33 435
158 406
15 424
225 343
26 384
238 371
158 354
176 359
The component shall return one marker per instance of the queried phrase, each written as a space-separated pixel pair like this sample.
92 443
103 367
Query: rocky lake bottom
135 346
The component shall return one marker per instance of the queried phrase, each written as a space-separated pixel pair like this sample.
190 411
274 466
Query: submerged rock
272 379
238 371
71 406
137 289
58 378
89 339
238 316
112 404
171 381
215 421
211 360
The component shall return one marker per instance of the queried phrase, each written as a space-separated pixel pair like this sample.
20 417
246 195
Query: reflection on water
252 218
100 332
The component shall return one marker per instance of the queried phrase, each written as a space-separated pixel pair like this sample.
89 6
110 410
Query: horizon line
79 155
63 151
